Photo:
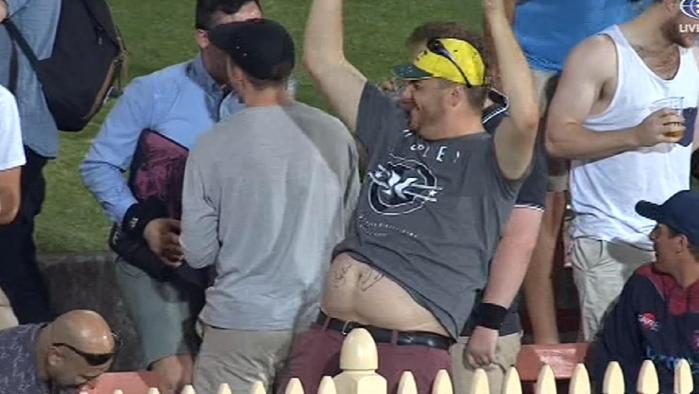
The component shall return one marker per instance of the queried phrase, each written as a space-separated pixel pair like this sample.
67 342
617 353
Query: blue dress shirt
181 102
37 20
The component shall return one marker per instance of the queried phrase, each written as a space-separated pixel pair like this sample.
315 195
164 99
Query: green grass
160 33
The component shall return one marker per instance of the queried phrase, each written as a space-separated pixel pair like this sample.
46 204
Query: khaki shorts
239 358
545 84
7 316
600 270
506 353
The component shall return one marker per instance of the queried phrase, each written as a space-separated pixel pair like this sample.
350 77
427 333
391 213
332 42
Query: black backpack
88 57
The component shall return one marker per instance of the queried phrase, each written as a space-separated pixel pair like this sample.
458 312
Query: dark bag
88 56
156 177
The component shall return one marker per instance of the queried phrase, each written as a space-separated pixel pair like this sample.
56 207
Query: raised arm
589 74
325 60
515 137
494 70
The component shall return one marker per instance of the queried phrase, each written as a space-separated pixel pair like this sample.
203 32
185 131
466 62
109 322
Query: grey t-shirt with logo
430 213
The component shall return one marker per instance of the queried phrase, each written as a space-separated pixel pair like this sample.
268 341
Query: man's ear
202 38
55 357
457 94
682 243
235 74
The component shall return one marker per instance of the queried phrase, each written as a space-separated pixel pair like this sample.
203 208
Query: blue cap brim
409 71
650 210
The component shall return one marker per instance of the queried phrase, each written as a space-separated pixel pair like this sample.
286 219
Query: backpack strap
14 70
18 38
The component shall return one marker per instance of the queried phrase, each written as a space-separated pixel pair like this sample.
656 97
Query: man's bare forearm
576 142
324 37
511 11
494 69
512 257
515 76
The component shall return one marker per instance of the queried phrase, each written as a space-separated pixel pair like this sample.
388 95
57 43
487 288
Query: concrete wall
88 282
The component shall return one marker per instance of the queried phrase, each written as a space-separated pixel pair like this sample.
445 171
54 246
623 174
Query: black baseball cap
680 213
261 47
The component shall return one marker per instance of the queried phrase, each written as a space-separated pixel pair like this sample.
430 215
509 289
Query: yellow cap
434 62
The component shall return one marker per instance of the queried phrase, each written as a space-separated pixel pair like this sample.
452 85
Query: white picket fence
359 362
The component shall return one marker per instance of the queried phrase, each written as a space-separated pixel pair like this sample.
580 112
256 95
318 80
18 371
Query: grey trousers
239 358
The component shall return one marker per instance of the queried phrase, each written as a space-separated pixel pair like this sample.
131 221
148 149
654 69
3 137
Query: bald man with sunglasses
65 356
433 208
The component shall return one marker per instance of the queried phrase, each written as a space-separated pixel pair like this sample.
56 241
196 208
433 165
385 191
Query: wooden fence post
294 387
580 381
188 389
407 383
613 379
327 386
359 361
512 384
546 382
480 383
442 383
684 382
258 388
647 379
224 389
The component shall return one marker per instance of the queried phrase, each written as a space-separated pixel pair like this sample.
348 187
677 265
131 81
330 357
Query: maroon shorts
316 353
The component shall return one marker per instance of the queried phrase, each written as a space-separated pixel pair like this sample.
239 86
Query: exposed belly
357 292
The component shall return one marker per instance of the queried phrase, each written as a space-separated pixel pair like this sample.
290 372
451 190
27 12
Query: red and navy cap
680 213
260 47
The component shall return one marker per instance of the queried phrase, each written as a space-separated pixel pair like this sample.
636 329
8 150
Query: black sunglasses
435 46
91 358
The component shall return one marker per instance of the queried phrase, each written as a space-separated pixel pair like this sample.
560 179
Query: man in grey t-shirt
432 210
267 194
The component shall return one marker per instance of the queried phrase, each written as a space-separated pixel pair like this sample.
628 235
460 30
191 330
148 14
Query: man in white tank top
624 148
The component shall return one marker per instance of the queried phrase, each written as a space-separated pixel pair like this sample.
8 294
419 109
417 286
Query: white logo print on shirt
401 187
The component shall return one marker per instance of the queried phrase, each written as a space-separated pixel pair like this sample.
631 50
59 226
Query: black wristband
140 214
695 165
490 315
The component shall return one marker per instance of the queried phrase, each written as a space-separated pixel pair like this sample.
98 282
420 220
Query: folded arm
325 60
112 150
